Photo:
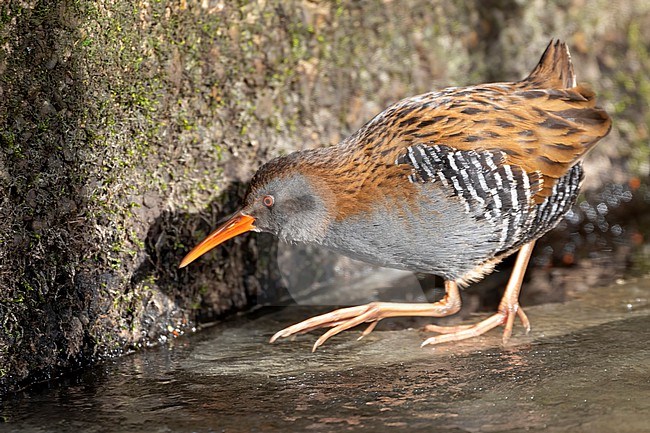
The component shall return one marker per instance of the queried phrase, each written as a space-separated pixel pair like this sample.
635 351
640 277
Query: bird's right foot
339 320
346 318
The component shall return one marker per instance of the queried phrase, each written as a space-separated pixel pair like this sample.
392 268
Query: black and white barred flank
493 191
549 213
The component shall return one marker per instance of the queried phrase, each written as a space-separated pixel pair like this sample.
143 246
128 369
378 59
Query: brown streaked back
543 123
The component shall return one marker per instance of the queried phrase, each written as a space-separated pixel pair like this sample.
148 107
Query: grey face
289 208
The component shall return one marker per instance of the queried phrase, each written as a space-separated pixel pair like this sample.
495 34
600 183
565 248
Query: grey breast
434 235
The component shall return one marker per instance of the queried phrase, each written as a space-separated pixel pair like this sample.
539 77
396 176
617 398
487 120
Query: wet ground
583 368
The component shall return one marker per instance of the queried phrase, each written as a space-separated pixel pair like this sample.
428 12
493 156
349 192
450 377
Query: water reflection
577 368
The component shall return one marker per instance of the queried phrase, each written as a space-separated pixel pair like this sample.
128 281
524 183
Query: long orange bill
236 225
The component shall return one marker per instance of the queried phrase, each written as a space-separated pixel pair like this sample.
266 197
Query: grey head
287 201
283 199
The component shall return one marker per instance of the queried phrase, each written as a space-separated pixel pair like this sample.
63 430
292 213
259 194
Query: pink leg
508 309
346 318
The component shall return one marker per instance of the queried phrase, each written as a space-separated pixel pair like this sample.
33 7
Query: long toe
331 319
504 317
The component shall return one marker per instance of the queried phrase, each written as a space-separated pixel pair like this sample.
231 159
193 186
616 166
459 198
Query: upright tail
569 104
554 70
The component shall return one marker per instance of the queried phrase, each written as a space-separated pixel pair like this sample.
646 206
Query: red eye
268 201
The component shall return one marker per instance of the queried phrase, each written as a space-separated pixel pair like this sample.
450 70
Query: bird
448 183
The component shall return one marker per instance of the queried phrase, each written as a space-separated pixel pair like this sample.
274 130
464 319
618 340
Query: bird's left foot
509 308
505 316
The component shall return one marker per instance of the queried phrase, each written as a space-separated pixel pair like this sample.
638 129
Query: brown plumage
447 182
544 123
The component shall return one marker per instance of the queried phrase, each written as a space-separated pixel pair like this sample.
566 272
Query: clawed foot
505 316
347 318
509 308
339 321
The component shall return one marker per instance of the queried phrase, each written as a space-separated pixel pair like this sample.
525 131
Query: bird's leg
346 318
508 309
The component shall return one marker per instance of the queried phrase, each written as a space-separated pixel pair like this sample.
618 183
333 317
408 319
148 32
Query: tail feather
554 69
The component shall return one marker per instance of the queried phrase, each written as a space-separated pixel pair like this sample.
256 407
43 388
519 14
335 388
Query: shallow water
584 367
